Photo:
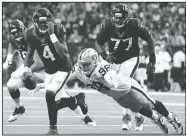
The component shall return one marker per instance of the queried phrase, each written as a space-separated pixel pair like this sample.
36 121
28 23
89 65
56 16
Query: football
29 80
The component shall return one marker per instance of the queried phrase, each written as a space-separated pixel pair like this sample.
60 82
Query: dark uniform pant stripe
63 83
135 68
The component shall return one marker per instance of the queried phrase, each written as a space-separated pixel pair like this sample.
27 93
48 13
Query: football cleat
52 130
17 112
127 124
176 124
89 121
81 102
161 123
139 123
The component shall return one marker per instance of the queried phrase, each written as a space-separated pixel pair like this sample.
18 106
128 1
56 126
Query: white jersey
103 79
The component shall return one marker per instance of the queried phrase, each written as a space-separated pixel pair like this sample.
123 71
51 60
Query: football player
126 91
122 32
18 45
49 41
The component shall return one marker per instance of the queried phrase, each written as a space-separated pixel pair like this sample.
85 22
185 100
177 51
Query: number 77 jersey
123 42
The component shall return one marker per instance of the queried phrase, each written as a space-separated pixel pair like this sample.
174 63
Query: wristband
9 57
103 55
27 69
152 58
53 38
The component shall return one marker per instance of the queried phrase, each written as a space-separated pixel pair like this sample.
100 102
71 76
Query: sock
160 108
18 102
170 116
52 108
79 112
15 94
154 116
138 115
126 111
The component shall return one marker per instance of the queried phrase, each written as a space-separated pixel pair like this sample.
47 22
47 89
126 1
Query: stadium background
166 21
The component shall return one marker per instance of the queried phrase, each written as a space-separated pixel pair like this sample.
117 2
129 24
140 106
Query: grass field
106 113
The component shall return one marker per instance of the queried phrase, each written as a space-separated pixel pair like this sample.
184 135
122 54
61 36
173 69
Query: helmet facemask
88 61
119 19
16 31
42 24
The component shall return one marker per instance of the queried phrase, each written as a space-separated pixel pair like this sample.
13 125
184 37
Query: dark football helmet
41 18
16 31
120 14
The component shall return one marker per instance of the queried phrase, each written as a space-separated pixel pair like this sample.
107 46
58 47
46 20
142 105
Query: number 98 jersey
98 77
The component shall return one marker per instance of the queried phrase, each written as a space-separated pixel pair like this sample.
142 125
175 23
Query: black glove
28 80
151 64
108 57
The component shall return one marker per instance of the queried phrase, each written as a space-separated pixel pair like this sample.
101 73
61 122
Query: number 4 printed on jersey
47 53
125 42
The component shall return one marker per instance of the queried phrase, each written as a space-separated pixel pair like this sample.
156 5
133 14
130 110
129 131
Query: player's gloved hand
151 64
50 28
108 57
7 64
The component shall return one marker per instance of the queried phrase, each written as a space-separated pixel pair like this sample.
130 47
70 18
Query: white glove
7 64
8 61
38 87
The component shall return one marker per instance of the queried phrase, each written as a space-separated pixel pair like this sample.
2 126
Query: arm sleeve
102 36
143 32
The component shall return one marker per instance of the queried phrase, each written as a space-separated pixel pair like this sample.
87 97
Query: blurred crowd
166 21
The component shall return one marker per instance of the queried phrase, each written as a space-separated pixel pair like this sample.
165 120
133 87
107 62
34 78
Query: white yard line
73 125
96 92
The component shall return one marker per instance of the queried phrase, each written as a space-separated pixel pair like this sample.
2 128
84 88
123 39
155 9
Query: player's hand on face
150 68
50 28
7 64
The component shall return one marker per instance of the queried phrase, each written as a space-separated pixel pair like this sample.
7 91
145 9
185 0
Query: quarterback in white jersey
126 91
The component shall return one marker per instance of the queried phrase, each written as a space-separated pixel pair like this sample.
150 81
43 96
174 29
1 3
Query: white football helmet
88 60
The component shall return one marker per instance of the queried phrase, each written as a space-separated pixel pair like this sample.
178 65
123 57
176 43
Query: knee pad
50 95
14 93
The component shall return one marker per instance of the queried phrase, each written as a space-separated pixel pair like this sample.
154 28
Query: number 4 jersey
52 61
123 42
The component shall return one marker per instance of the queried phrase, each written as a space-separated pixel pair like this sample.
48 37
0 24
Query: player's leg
127 119
76 104
13 86
158 106
50 100
128 69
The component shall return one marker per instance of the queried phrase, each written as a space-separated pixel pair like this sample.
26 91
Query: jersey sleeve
111 78
60 33
143 32
102 36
